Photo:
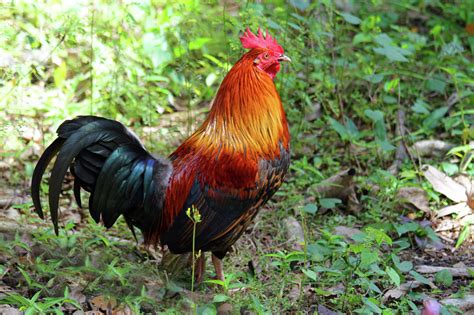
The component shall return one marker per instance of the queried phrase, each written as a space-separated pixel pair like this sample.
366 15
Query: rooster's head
265 51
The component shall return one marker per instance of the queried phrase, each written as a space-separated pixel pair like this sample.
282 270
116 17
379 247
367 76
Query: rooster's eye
265 56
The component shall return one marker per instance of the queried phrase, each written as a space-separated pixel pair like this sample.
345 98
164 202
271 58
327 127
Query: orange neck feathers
246 115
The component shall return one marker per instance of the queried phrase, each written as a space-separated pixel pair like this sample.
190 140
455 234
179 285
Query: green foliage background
156 65
135 61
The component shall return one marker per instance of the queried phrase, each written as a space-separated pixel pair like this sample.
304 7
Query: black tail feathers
110 162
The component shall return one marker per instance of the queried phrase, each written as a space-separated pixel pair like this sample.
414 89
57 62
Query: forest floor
271 268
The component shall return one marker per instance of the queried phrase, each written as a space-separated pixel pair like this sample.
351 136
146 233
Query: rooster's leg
218 267
200 268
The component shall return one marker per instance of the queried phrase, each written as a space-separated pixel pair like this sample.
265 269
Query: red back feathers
249 40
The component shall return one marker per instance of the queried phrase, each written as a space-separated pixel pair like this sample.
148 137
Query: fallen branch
456 272
464 304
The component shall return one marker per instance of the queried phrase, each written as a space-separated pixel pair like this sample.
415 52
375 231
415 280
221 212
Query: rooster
227 169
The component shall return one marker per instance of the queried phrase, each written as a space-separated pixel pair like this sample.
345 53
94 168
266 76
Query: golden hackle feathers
246 115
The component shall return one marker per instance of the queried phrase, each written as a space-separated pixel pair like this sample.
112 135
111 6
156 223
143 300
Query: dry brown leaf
122 310
294 293
346 232
393 294
103 302
323 310
70 215
225 309
431 148
466 181
461 209
415 196
337 186
338 289
470 29
444 184
295 233
77 295
447 224
400 291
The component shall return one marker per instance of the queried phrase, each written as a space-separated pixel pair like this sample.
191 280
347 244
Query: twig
456 272
402 151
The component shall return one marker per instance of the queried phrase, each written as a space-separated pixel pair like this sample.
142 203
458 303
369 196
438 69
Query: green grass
155 66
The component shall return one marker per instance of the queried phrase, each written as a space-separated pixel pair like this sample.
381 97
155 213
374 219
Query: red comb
250 40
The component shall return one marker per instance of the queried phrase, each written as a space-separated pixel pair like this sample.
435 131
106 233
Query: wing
227 204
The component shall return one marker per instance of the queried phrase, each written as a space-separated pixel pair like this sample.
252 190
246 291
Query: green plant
194 215
33 306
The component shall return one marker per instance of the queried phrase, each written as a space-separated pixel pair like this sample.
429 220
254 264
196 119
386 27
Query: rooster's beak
284 58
